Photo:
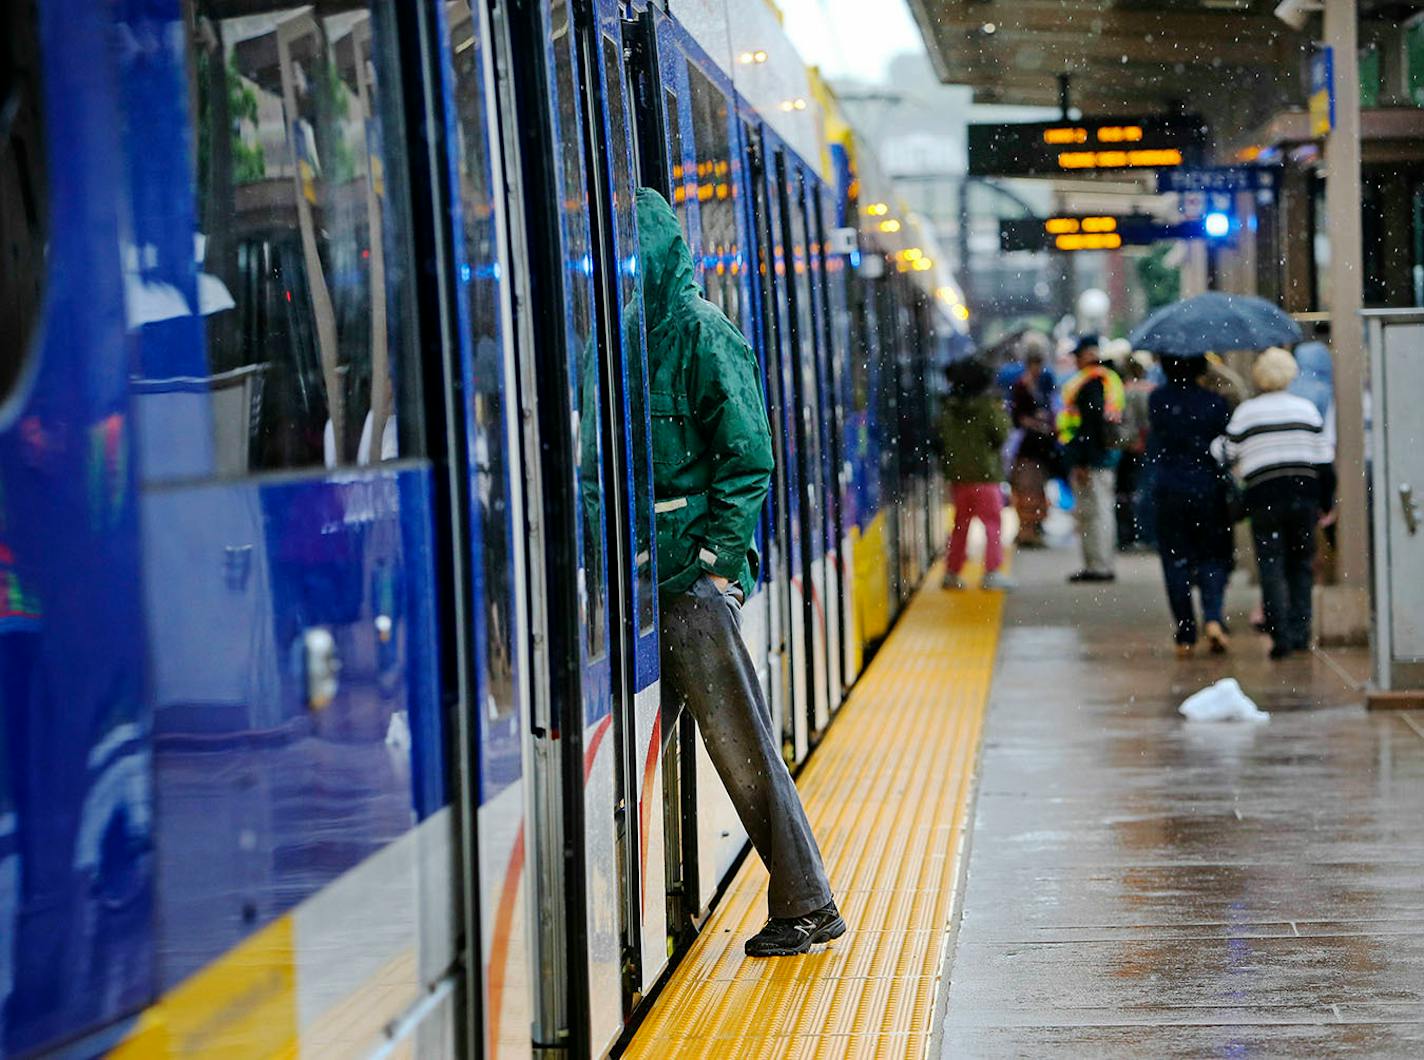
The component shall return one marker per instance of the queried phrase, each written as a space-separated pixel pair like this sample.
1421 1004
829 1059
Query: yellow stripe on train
242 1005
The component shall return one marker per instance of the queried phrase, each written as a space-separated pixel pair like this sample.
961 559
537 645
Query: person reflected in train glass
1278 445
712 466
1194 536
1090 427
1037 453
973 427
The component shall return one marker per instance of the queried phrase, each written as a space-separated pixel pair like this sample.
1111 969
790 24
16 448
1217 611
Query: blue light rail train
328 650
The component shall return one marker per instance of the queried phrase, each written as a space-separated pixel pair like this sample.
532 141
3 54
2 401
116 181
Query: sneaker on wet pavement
788 936
998 580
951 581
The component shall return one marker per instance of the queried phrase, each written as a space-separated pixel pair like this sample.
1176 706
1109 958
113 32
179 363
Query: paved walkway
1142 887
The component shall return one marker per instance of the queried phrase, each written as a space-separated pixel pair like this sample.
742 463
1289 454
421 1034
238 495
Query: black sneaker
1092 576
788 936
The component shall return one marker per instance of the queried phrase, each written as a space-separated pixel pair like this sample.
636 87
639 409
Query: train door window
630 285
480 281
23 188
679 174
579 269
276 331
721 270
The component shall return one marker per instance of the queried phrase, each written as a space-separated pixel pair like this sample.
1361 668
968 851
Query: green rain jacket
712 458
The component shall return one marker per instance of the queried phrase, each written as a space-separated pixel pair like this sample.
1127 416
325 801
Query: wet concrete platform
1138 886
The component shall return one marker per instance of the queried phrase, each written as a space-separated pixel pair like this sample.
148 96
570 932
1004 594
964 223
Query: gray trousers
705 665
1097 520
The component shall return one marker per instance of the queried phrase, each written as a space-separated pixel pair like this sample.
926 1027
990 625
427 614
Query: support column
1345 614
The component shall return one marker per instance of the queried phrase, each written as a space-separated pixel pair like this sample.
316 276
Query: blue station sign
1219 178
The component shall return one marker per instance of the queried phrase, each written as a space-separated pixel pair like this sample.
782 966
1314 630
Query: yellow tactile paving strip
887 793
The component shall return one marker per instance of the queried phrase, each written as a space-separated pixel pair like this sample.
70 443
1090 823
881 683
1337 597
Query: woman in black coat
1194 522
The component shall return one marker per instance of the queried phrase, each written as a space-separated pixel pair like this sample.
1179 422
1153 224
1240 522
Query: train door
627 466
892 328
495 792
775 529
715 225
825 401
774 264
810 576
678 112
573 841
835 327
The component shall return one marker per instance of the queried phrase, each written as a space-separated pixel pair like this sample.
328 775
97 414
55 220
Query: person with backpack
1090 431
973 427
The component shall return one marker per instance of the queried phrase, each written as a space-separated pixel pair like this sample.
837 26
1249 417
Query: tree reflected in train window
23 189
579 291
480 279
294 272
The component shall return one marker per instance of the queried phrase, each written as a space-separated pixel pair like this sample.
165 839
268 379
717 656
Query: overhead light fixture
890 225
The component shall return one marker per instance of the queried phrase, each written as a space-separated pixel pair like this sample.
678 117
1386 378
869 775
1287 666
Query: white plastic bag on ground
1223 701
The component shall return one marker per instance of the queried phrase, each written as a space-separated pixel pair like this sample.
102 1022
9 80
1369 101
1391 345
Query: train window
574 197
480 276
630 284
23 188
299 246
721 266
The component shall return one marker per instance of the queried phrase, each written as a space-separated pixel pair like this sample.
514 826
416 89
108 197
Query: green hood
711 444
669 281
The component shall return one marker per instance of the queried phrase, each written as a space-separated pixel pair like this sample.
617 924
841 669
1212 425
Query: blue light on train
465 272
1217 224
586 264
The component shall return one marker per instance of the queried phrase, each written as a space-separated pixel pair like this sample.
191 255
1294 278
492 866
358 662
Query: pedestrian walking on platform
1090 430
973 427
1131 466
1037 454
1194 522
712 465
1278 445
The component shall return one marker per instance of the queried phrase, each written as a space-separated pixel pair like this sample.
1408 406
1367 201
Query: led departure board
1090 232
1050 149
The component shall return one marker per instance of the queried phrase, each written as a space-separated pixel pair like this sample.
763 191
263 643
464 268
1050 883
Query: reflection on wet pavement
1138 886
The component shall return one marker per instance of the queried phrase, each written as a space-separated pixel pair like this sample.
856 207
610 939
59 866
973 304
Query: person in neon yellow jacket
1090 430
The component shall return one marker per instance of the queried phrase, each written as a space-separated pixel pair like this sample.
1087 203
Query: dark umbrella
1214 323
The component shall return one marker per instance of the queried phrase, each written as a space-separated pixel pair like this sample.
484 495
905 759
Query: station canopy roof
1232 61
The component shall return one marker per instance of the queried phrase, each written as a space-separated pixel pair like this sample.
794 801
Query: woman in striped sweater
1278 445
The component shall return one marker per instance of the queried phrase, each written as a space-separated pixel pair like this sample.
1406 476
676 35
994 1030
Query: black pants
1283 527
1194 541
706 665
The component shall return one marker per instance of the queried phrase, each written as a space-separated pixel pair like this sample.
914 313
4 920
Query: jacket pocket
679 522
674 439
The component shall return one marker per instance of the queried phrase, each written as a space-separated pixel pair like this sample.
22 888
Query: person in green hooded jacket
712 465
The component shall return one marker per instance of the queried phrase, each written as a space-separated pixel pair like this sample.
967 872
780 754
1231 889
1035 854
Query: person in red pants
973 428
